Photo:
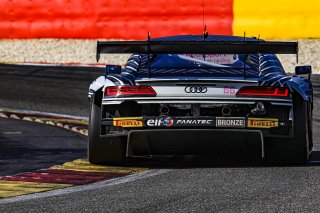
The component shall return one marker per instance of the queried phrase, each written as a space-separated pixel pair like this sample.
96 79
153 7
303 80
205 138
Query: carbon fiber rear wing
193 47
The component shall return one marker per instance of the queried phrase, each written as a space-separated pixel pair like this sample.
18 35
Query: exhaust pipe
259 109
226 110
164 110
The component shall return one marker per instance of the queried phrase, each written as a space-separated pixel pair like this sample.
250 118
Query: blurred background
65 31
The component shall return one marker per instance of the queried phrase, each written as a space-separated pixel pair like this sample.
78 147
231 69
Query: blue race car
187 94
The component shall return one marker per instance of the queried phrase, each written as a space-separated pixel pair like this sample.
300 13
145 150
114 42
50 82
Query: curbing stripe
79 125
84 166
16 188
38 113
77 172
62 177
93 186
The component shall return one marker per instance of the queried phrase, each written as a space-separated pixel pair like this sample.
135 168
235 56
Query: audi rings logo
195 89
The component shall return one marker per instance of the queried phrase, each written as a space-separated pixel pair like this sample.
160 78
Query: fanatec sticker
128 122
195 122
262 122
234 122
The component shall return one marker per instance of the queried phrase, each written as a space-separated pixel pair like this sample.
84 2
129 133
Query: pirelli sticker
128 122
262 122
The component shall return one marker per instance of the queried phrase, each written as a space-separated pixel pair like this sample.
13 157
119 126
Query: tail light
263 92
116 91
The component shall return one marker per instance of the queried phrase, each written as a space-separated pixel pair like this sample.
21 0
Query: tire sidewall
94 124
300 146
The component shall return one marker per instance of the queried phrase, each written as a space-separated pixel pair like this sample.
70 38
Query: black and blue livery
184 94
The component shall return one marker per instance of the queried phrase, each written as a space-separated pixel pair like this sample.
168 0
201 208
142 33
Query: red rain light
130 91
263 92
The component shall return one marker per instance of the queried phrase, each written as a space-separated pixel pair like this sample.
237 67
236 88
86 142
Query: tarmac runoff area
225 183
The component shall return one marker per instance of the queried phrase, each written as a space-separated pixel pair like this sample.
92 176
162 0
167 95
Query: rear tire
300 152
103 150
294 151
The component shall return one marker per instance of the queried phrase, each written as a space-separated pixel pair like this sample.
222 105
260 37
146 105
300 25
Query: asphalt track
46 89
226 183
26 146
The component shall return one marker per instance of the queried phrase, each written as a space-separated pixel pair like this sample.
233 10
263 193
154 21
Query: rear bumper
161 135
184 141
269 127
189 141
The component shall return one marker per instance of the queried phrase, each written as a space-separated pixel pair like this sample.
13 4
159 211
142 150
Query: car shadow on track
315 158
215 161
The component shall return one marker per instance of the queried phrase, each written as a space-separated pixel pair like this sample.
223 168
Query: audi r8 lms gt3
184 94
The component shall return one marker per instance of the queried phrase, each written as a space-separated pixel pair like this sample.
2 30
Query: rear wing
196 47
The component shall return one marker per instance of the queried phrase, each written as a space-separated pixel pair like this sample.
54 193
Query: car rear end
188 95
164 117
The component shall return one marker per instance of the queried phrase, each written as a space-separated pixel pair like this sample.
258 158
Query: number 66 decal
229 90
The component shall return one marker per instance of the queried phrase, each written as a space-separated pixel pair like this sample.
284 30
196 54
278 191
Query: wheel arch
300 86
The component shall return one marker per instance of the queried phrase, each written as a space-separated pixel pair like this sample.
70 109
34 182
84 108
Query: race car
183 95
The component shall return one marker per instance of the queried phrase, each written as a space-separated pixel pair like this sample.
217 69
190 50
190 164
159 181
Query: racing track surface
26 146
190 184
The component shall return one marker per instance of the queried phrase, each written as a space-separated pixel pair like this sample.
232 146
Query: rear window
207 65
185 61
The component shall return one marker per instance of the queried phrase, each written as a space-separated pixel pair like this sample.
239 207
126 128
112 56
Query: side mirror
302 70
116 69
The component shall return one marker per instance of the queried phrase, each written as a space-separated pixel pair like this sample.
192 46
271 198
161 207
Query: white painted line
44 113
112 182
12 133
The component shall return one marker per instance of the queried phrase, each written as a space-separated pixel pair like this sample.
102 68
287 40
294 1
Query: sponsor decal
194 122
128 122
168 121
234 122
160 122
262 122
179 122
213 58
